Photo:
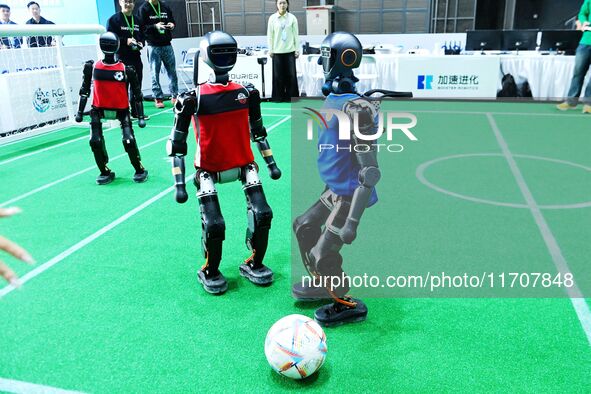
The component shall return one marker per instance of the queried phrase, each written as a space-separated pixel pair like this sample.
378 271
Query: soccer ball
295 346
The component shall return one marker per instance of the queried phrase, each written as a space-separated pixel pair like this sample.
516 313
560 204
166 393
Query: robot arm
258 133
176 147
85 89
137 93
369 173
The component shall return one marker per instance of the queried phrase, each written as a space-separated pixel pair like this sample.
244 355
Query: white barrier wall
247 66
31 89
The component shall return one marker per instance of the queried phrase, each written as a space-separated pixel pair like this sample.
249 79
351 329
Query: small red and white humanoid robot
110 101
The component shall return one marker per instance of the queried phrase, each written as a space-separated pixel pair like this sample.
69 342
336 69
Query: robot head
219 51
109 43
341 53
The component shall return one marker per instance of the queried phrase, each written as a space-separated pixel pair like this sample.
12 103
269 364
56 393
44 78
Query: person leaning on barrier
8 42
37 19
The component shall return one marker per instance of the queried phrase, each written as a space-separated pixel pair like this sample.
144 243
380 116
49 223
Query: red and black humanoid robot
110 101
227 114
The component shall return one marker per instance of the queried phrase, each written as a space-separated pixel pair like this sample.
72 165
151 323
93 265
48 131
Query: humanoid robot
224 115
110 101
350 178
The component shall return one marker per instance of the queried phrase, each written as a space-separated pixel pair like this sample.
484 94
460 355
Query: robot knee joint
263 216
96 142
306 233
129 143
215 229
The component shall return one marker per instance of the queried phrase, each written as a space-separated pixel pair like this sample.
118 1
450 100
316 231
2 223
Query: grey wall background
249 17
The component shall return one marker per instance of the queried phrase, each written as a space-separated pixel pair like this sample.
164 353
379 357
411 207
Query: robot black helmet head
341 53
109 43
219 51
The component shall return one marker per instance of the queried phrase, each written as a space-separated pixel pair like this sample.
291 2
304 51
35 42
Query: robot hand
178 171
274 171
180 194
78 117
349 231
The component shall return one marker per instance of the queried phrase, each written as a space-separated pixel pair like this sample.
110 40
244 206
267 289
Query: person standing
582 64
126 25
283 41
158 24
8 42
37 19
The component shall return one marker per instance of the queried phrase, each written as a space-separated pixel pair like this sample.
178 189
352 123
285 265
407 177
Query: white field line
20 387
55 260
63 143
576 297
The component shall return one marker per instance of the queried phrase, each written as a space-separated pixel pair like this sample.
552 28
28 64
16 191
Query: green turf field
113 304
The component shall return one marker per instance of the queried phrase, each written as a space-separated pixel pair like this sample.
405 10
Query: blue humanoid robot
350 178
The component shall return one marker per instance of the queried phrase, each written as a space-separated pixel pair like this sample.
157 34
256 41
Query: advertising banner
447 77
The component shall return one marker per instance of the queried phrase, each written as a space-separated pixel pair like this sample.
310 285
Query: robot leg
259 223
308 229
326 258
97 144
213 234
130 145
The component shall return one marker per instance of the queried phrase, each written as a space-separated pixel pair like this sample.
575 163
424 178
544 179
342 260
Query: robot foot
304 292
104 179
214 284
336 314
140 177
261 275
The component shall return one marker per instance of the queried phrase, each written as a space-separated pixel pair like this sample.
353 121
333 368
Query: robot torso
110 86
223 133
338 167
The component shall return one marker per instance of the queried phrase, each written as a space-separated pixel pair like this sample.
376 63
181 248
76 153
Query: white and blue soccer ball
295 346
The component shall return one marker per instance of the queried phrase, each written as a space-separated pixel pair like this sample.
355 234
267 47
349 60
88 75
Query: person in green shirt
582 64
283 41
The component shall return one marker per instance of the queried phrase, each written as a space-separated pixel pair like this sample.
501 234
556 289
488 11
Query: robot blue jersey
338 167
350 177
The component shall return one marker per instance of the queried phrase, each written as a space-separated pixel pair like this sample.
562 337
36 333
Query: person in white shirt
283 41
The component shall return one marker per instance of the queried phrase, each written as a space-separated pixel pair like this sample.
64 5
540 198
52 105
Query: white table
548 75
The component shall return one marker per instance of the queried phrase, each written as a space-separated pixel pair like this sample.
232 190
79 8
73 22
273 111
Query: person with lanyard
158 23
127 27
37 19
283 41
582 64
8 42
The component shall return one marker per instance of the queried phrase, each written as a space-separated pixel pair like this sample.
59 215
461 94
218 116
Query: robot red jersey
223 137
110 86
